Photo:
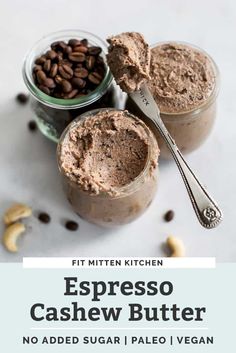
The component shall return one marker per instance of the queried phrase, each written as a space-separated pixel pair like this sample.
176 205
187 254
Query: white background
28 171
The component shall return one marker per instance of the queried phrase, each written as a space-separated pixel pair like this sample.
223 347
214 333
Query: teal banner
117 309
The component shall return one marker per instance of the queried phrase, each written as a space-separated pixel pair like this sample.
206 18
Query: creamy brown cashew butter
129 60
108 159
182 78
184 83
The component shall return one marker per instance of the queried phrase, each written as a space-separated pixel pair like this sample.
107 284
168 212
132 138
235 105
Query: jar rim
204 105
126 188
58 103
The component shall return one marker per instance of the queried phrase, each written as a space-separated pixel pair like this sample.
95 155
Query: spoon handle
206 209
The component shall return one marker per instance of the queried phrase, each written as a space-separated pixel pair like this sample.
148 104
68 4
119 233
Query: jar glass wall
54 114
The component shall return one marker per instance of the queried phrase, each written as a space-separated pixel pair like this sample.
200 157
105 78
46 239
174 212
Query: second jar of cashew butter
185 83
108 162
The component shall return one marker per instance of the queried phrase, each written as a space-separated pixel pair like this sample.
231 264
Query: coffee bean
47 65
69 70
72 94
22 98
32 125
81 72
169 215
45 89
84 42
67 62
74 42
37 68
49 82
95 78
78 82
90 62
44 217
59 45
53 70
76 57
58 95
58 79
100 60
94 50
51 54
41 60
68 50
101 71
55 45
66 86
59 57
71 225
65 71
41 76
80 49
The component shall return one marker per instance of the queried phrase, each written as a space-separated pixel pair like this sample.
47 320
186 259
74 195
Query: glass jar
131 200
190 128
53 114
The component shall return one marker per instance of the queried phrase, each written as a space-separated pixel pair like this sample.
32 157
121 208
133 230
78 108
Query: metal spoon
206 209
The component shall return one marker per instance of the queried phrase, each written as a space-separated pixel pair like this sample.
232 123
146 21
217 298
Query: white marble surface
28 170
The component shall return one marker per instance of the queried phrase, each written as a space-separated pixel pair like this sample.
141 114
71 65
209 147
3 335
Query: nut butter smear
182 77
105 152
129 60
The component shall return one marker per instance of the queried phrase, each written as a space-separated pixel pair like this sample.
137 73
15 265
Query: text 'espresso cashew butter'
108 160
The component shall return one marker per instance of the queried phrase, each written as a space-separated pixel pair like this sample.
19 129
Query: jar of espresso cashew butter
108 162
185 84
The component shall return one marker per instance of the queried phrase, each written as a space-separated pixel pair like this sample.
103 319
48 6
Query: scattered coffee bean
69 70
169 215
32 125
71 225
22 98
44 217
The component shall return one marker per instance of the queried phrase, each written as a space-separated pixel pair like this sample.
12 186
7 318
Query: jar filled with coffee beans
67 75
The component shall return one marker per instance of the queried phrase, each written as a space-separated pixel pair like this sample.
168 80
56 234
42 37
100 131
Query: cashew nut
176 246
11 235
16 212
